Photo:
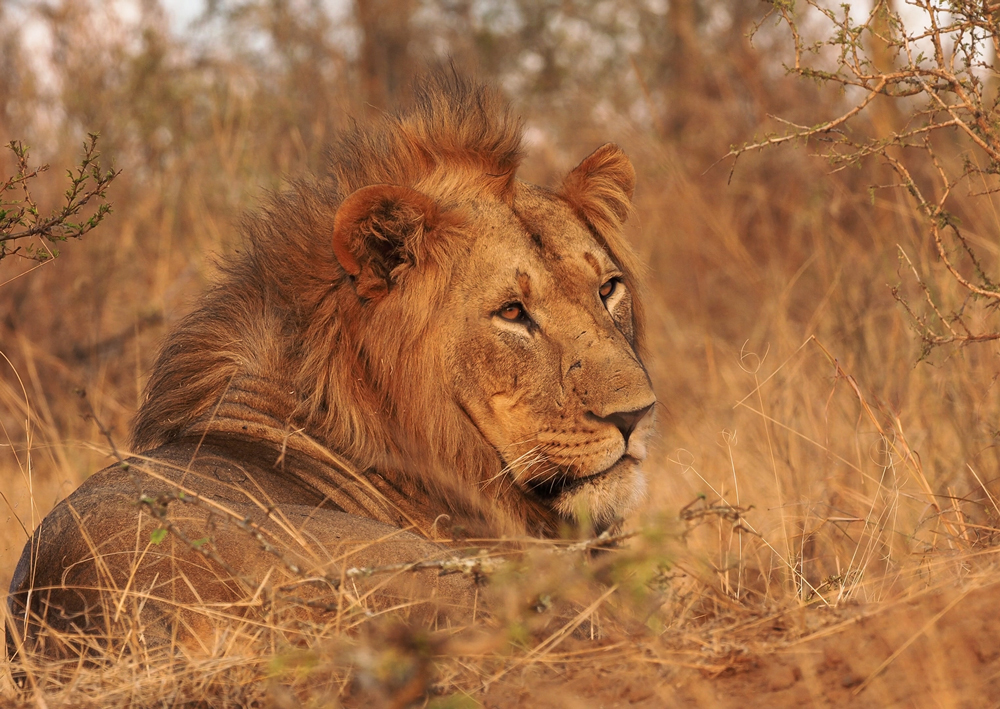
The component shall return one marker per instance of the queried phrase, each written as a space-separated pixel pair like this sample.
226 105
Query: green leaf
158 535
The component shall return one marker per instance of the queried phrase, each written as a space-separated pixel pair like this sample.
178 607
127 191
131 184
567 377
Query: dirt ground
939 649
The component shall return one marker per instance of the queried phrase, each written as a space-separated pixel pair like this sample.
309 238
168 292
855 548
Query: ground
938 648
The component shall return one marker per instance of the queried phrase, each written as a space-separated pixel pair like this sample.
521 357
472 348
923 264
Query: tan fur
356 348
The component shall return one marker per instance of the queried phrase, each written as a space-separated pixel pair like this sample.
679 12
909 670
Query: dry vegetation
821 459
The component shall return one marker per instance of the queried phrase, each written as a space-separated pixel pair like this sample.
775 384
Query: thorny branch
478 566
20 219
936 78
699 510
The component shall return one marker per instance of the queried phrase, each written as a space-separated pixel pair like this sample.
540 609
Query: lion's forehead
540 236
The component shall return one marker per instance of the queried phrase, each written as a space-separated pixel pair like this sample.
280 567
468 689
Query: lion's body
116 570
418 347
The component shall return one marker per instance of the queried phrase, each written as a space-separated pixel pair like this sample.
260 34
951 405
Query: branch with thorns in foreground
479 566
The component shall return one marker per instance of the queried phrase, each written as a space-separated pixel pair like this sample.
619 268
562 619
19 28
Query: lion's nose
626 421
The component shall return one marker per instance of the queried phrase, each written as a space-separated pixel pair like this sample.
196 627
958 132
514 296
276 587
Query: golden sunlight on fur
413 349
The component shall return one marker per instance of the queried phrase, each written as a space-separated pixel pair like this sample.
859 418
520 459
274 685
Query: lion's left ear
601 188
378 232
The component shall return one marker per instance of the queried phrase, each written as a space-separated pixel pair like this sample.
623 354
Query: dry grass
840 475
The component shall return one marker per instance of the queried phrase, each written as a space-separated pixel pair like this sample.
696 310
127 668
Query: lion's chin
602 499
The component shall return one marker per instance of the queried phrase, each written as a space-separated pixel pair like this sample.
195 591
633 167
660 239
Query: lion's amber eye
513 312
608 288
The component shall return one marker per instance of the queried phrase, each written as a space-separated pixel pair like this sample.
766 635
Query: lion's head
432 318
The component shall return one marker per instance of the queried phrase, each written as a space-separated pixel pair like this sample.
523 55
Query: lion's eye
609 287
513 312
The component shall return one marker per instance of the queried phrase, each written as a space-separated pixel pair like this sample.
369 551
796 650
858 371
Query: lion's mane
361 381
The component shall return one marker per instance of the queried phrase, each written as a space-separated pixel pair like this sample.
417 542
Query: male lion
418 347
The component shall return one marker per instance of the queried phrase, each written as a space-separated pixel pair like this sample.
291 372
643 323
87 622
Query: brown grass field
824 505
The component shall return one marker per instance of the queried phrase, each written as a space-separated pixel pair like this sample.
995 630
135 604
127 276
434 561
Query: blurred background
205 106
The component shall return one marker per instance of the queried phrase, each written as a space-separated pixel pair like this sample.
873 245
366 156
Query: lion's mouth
555 486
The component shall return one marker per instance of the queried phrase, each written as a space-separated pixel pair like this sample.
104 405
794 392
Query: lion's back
183 549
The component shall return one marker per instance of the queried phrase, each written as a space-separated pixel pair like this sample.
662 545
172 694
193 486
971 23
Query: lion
414 349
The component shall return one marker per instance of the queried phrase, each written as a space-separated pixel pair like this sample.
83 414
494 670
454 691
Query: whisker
525 471
510 468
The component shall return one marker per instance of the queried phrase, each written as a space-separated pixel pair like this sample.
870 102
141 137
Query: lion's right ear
601 188
378 233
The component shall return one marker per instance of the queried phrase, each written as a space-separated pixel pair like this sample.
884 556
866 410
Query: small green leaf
198 543
158 535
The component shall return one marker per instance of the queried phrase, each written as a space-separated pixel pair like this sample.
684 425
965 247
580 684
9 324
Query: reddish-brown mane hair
269 297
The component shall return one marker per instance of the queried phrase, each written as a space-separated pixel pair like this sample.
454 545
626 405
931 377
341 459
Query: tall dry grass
834 466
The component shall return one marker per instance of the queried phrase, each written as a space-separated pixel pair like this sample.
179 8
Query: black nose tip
626 421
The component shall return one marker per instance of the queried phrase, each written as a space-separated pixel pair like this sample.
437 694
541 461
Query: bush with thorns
930 81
